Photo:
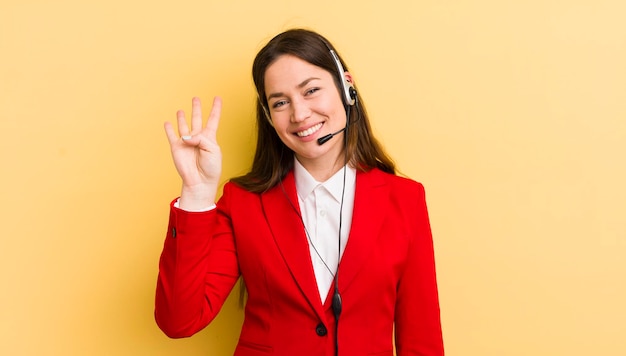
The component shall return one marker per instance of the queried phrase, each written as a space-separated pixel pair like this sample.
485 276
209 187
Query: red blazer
386 275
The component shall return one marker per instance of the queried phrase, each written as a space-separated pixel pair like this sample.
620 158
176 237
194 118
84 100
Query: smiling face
304 105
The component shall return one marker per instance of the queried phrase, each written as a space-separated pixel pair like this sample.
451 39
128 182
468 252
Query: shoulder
401 198
234 195
396 184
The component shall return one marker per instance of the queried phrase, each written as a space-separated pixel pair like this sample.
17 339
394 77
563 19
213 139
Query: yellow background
512 113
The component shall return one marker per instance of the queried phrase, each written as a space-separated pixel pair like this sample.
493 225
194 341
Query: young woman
334 249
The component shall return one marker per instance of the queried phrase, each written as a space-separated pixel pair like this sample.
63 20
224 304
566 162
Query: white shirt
320 204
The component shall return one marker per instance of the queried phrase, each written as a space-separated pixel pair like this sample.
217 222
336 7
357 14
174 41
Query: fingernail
186 137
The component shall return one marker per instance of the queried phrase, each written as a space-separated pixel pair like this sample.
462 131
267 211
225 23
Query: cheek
281 130
280 122
330 107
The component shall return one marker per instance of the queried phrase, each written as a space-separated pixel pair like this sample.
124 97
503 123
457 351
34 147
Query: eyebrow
301 85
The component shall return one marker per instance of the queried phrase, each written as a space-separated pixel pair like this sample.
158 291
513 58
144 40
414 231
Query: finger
214 118
183 129
196 116
170 133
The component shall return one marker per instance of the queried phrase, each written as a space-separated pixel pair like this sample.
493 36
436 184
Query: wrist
197 197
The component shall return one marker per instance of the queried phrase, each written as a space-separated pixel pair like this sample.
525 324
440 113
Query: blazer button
320 330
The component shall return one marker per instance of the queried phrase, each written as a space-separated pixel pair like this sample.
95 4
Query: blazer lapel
282 211
370 205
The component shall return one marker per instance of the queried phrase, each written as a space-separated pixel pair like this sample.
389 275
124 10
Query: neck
322 170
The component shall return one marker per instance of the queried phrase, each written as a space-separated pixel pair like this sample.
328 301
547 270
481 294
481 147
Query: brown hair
273 159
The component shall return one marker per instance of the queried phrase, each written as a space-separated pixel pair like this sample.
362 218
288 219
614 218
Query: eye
278 104
311 91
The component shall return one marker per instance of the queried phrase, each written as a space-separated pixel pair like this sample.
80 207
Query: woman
335 250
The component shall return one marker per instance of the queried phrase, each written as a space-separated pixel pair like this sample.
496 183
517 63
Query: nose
300 111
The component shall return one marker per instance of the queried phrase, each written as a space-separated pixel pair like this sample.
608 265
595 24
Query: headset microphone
322 140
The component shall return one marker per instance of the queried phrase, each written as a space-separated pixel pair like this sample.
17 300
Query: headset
349 98
349 92
348 95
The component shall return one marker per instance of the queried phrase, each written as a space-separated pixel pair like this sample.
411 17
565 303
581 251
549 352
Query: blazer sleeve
197 269
418 324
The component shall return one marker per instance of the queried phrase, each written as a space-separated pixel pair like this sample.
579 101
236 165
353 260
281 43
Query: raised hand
197 155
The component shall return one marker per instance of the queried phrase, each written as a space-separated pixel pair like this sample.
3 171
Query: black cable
337 302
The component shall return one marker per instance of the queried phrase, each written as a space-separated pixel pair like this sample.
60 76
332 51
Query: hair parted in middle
273 159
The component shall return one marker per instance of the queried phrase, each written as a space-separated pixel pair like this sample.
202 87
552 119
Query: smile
311 130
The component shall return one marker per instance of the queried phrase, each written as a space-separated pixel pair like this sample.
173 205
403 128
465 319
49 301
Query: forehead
289 71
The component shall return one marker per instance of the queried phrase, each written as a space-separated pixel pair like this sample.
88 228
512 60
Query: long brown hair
273 159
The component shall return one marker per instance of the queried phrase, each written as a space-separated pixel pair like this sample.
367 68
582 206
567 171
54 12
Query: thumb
198 141
190 140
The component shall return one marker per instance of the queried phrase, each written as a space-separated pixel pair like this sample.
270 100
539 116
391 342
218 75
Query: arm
418 325
198 265
197 270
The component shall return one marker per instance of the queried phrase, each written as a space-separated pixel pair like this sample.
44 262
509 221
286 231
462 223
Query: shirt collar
306 184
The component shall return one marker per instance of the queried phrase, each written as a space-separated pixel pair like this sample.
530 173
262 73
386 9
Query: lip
310 136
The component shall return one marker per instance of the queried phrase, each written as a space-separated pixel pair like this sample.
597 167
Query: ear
349 78
350 88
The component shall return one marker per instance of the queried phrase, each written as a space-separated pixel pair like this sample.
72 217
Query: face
305 104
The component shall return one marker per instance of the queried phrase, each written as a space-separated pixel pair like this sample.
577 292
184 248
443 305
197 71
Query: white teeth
309 131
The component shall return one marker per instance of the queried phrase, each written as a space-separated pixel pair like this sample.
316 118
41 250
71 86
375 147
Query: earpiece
349 93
